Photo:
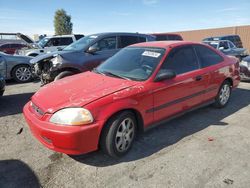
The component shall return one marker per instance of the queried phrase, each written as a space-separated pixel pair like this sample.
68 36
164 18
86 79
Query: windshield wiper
97 71
114 75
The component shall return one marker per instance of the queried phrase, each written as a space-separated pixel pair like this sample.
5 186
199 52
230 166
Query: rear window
207 57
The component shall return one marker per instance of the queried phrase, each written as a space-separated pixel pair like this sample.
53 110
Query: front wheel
119 134
223 95
22 73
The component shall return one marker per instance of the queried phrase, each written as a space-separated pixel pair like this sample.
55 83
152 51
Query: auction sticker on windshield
151 54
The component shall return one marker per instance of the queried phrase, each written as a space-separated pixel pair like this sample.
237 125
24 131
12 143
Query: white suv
49 44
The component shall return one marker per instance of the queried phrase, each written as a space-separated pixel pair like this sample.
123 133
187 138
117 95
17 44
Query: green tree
62 23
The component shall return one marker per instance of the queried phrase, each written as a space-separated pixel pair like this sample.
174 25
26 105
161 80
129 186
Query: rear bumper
72 140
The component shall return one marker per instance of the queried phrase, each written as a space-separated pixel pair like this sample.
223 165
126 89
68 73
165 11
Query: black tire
17 71
110 138
63 75
225 90
1 93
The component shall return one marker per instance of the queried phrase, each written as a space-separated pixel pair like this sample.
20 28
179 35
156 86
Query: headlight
72 116
56 60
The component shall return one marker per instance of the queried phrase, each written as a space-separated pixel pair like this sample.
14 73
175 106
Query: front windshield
134 63
43 42
80 44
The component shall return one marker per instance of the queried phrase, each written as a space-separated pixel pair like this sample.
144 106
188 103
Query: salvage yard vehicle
16 67
228 48
245 68
83 55
49 44
235 39
141 86
2 85
11 47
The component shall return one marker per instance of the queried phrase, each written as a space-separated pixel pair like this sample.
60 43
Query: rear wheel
64 74
118 134
22 73
223 95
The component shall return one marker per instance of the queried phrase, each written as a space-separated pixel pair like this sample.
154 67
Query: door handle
198 78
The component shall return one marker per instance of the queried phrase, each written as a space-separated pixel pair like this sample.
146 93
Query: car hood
72 56
77 90
25 38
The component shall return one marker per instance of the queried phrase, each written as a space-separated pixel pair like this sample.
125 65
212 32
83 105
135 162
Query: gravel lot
205 148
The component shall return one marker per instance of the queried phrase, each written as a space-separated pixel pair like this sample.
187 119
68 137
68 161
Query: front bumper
72 140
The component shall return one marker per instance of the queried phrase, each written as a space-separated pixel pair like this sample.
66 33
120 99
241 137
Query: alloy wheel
124 135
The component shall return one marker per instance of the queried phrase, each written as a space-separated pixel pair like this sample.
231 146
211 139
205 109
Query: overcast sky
145 16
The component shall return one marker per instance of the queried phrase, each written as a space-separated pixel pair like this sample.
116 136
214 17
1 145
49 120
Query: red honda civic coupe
141 86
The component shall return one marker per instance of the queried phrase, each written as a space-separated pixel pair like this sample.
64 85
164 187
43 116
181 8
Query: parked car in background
15 67
15 38
228 48
11 48
141 86
83 55
233 38
2 85
50 44
167 36
245 68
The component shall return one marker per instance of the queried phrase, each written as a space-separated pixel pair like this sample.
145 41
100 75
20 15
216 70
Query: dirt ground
205 148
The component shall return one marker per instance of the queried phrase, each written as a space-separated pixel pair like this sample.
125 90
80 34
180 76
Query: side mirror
92 49
221 48
59 48
165 74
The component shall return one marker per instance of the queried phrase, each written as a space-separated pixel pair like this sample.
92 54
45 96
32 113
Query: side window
231 45
142 39
52 42
161 37
64 41
6 46
108 43
207 56
127 40
224 44
181 60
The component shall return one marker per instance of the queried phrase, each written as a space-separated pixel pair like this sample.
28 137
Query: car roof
118 33
165 44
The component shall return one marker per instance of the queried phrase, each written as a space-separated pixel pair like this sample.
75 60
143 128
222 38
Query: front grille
37 109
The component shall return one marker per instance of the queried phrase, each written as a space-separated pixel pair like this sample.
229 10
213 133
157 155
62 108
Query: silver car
15 67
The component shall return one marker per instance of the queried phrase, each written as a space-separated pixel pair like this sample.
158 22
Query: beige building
198 35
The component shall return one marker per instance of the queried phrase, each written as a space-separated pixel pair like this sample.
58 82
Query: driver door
185 90
106 48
